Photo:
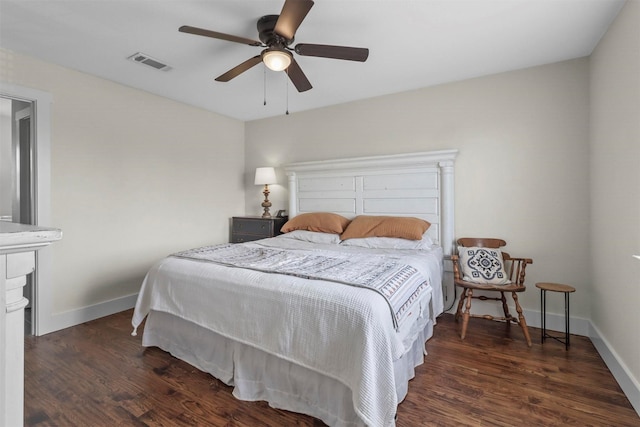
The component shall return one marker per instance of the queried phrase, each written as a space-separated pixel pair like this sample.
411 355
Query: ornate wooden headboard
412 184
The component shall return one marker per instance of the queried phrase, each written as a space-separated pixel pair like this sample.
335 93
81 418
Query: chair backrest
481 242
515 267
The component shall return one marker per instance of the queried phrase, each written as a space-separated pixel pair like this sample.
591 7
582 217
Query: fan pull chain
287 86
264 82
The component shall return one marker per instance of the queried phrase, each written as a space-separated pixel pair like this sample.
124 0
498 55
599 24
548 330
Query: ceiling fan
276 33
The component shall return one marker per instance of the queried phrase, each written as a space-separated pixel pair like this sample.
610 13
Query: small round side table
555 287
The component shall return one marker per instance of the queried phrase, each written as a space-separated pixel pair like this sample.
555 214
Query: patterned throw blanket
400 284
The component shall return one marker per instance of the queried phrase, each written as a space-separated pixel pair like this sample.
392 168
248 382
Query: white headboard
413 184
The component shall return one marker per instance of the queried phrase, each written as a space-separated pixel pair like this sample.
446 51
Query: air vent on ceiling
143 58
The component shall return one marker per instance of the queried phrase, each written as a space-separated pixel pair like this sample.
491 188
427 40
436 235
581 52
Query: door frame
43 275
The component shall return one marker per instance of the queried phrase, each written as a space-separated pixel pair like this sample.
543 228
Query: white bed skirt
257 375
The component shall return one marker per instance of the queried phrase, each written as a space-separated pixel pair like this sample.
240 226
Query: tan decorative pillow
386 226
324 222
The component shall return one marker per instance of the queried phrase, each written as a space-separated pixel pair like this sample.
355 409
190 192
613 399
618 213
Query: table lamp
265 176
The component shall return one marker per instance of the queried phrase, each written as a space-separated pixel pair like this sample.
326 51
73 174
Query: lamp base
266 204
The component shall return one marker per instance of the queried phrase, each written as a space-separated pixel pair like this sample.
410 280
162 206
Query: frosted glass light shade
265 176
276 60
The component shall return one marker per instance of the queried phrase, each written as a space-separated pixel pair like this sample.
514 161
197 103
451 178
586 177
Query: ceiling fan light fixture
276 59
276 33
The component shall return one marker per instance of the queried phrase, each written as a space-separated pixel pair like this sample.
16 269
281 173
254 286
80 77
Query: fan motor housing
266 25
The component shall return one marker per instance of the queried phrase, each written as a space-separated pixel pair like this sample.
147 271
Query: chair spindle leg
521 320
467 314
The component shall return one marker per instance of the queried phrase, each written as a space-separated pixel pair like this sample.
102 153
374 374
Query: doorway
17 168
43 320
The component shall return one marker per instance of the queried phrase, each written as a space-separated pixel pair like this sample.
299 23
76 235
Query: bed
332 342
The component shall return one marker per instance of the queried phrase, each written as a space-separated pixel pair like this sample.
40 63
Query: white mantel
18 243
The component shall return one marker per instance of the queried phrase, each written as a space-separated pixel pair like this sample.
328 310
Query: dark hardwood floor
96 374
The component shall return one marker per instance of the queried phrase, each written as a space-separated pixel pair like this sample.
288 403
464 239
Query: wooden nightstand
249 228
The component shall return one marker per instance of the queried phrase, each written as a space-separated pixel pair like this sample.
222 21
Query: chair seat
509 287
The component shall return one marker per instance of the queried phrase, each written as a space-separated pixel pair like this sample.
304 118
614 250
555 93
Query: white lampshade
265 176
276 60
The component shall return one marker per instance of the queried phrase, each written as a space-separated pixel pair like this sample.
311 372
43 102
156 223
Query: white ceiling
412 44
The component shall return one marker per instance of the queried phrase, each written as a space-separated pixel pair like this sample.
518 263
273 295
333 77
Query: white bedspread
400 284
341 331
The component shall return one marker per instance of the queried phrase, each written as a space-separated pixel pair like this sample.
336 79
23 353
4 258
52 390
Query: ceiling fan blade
292 14
336 52
217 35
239 69
297 77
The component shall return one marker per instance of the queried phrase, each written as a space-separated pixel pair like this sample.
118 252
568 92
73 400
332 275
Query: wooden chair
515 270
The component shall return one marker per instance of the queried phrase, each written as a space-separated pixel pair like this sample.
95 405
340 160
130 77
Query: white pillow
313 236
482 265
389 243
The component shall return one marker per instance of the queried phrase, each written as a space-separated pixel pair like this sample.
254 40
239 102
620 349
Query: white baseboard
555 322
629 385
75 317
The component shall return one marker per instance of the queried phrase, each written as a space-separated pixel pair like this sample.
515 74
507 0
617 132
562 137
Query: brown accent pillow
324 222
386 226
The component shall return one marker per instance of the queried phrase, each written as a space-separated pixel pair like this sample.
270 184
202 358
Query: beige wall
134 178
615 188
522 170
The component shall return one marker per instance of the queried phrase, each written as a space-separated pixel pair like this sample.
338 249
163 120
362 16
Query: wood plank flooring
96 374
